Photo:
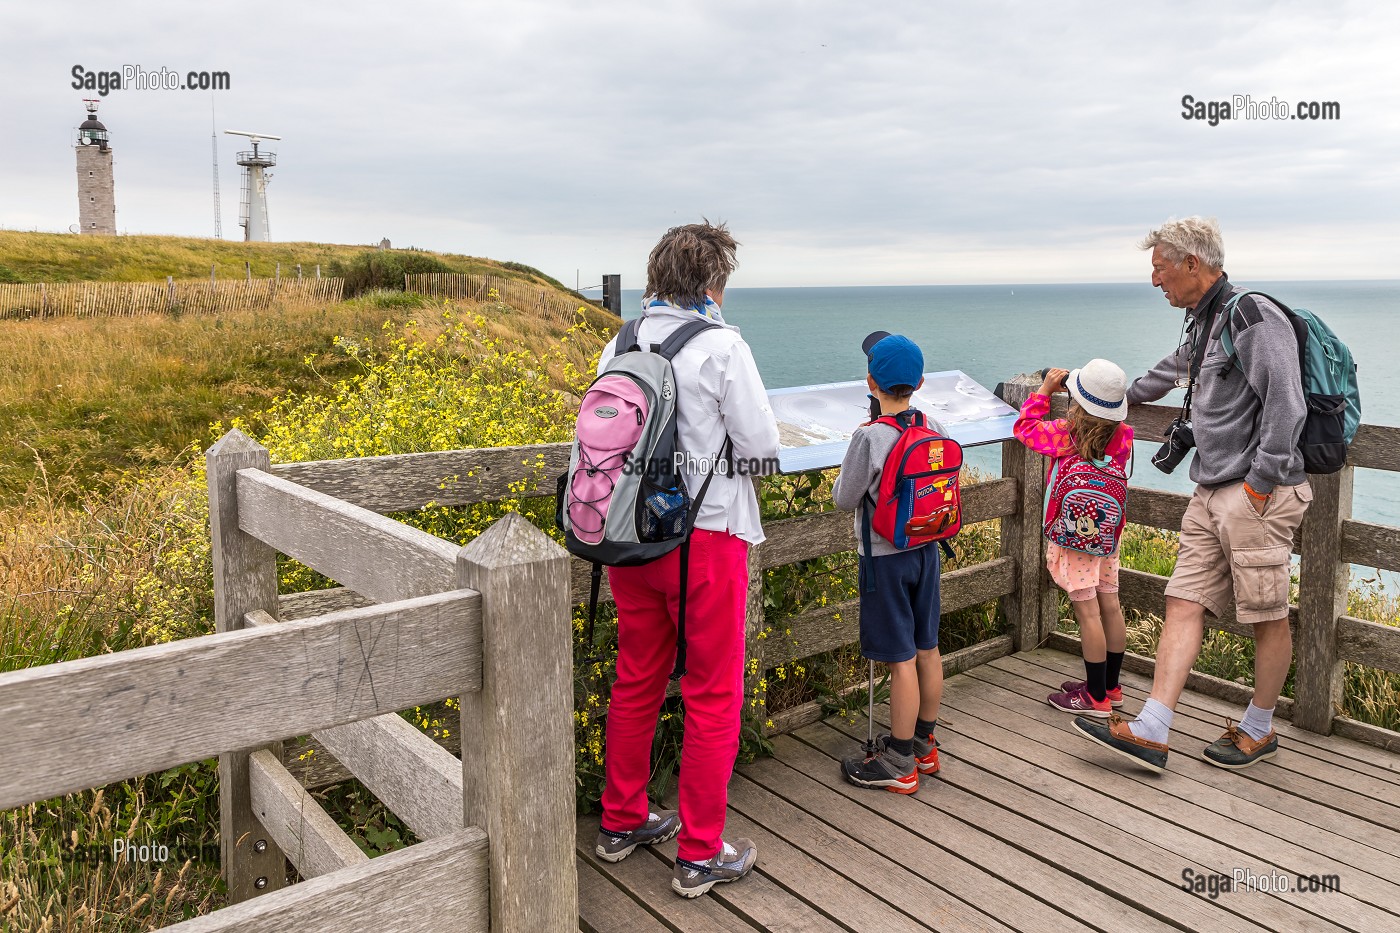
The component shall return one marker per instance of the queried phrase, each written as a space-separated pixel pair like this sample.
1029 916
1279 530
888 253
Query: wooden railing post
1323 582
755 694
245 580
517 733
1030 609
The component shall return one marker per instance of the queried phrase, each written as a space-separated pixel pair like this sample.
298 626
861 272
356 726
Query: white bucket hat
1101 389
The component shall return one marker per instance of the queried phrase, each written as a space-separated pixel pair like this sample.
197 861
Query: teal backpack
1330 389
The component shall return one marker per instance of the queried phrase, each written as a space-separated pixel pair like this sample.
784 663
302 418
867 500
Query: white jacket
719 393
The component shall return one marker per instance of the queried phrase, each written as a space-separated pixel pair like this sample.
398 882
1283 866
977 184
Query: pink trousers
712 689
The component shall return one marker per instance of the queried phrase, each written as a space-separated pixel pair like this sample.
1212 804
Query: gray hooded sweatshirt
1247 423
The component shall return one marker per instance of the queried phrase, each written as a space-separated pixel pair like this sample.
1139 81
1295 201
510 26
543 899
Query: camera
1180 440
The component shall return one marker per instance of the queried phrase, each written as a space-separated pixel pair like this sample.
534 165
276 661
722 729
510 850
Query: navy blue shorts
901 615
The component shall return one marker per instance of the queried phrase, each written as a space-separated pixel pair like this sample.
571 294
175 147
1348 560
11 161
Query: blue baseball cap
894 360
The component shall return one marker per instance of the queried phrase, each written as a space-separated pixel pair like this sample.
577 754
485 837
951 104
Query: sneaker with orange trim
885 769
1081 703
1115 695
925 752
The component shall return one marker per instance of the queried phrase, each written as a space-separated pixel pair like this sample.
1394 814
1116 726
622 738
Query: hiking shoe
1079 701
886 768
1115 736
692 879
660 827
1235 749
1115 696
925 752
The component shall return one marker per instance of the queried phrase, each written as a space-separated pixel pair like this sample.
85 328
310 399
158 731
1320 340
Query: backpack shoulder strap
681 335
1227 334
627 337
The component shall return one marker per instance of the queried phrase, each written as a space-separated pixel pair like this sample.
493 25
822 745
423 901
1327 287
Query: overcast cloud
908 142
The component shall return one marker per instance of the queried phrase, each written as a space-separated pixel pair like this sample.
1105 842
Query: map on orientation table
815 423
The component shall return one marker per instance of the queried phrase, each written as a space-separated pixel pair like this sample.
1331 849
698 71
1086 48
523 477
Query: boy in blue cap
899 614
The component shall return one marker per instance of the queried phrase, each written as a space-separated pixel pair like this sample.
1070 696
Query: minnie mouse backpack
1086 505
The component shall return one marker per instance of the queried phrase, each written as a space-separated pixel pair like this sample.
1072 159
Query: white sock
1257 722
1153 723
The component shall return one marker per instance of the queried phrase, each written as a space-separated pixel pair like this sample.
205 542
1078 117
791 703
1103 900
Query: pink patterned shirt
1055 439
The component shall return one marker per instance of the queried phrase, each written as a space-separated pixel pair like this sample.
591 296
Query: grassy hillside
66 257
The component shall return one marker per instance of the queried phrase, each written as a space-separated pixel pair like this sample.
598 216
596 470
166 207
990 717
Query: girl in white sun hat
1085 502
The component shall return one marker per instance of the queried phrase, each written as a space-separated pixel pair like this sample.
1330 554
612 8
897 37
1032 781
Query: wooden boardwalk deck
1030 827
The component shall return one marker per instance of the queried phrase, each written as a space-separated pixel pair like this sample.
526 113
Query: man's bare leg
1180 644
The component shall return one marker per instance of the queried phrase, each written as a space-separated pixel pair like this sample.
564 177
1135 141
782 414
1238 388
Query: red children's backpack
1086 505
920 500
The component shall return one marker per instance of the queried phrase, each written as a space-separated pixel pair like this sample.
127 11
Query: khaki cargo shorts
1229 549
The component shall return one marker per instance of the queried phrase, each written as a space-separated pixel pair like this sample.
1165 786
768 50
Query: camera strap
1200 339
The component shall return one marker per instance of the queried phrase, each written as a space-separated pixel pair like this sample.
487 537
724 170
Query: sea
806 336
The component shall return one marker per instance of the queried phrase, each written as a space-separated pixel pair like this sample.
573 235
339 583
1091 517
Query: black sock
924 728
902 746
1115 667
1094 671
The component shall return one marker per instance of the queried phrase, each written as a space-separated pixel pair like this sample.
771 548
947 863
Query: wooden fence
417 619
514 292
137 299
488 623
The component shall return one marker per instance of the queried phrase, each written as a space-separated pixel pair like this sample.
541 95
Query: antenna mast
214 144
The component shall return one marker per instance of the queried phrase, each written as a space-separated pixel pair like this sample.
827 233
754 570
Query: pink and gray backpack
623 501
1086 505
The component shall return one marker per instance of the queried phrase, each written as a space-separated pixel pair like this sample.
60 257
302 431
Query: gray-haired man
1250 496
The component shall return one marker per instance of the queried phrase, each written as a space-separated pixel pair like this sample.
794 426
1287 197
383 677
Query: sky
844 144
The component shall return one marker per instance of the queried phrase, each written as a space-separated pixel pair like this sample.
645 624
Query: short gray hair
1193 236
690 260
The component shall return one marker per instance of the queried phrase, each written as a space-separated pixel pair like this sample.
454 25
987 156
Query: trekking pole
870 714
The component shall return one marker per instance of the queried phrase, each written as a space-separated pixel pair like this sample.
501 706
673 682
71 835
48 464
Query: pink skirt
1081 575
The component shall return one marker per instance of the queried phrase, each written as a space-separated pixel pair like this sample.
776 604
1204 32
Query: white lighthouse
97 203
252 215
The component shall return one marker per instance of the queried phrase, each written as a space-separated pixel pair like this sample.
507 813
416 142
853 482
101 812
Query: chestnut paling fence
138 299
417 619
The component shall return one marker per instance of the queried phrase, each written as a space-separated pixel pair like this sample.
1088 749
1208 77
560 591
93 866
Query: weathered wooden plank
373 555
755 637
869 868
522 791
88 722
1135 837
411 774
804 537
297 823
417 779
649 882
958 661
1356 805
1376 447
838 624
1323 583
809 777
1371 545
1349 728
603 907
1031 728
1156 508
1006 844
319 602
435 885
1150 421
1146 592
1368 643
245 580
404 482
